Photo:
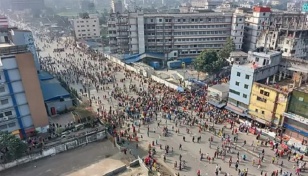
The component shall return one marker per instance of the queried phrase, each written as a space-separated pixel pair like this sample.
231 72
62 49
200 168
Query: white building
87 27
255 24
258 66
187 33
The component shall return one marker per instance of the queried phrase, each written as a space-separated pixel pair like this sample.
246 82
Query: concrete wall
57 149
116 171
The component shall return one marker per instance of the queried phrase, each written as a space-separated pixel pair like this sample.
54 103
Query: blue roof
128 59
45 76
53 91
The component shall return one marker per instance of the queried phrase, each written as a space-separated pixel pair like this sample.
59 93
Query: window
237 83
2 89
262 112
160 20
261 99
266 93
4 101
244 96
1 115
257 59
93 25
256 110
261 92
247 76
246 86
8 113
152 20
234 92
238 74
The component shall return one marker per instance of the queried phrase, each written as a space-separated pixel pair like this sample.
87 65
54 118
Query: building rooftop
262 53
221 87
284 86
238 54
45 76
53 91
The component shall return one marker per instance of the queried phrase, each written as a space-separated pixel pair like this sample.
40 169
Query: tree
208 61
11 147
224 53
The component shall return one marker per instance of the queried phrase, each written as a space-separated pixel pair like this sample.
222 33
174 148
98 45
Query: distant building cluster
191 32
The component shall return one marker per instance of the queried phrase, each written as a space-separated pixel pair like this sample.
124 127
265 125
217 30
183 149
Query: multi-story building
284 31
268 102
22 109
254 25
117 6
86 27
187 33
258 66
296 117
287 32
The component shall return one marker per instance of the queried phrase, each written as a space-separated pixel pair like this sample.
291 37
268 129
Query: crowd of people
142 101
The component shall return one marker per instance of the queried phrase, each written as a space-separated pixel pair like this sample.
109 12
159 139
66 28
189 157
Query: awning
261 121
218 105
236 110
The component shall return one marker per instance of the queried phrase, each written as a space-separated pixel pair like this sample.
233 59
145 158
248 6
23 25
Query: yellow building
268 103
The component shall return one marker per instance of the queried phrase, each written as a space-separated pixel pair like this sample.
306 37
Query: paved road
190 150
65 162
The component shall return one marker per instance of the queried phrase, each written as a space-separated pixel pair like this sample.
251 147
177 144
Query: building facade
25 37
283 31
87 27
187 33
296 118
22 109
268 104
287 32
117 6
258 66
255 24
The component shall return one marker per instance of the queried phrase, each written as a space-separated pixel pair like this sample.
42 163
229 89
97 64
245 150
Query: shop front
295 126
